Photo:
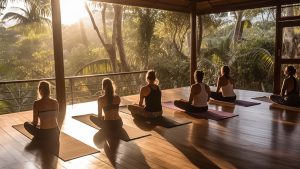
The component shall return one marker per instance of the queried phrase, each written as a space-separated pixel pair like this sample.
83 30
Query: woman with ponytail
289 94
225 86
45 111
152 95
109 105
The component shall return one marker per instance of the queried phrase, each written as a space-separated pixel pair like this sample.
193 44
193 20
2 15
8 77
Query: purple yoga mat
210 114
245 103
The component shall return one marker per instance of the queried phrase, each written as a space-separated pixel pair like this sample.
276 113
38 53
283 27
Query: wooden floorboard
260 137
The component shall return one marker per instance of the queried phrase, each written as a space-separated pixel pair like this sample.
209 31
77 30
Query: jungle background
113 38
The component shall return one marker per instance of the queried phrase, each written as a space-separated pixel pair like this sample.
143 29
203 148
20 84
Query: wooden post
278 43
193 19
59 61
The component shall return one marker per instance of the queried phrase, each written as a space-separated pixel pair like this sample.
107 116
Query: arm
99 108
35 120
218 85
207 91
192 94
283 88
141 97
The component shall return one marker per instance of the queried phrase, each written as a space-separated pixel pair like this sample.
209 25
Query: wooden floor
260 137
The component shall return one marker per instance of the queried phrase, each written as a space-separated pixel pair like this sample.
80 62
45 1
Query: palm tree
34 11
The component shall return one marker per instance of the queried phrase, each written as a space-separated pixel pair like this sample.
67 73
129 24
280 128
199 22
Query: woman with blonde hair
45 111
225 86
109 105
152 96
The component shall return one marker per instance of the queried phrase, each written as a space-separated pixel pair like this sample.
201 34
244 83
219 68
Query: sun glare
72 11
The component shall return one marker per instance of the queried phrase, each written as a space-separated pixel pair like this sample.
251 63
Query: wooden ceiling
203 6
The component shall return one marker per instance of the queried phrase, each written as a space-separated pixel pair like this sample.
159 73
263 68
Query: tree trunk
119 38
238 25
104 20
83 34
200 34
110 48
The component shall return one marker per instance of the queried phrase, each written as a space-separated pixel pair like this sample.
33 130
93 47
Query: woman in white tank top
199 96
225 87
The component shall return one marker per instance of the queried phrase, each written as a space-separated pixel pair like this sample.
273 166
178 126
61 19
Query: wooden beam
58 58
278 44
193 61
162 5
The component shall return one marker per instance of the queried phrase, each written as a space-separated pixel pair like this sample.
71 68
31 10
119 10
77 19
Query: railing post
71 90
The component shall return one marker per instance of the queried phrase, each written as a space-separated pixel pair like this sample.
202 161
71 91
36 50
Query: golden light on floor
72 11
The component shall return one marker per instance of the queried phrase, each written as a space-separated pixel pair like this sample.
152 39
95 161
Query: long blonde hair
109 88
44 87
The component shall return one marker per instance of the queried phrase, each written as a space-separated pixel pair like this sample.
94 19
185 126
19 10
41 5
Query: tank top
200 100
227 90
153 100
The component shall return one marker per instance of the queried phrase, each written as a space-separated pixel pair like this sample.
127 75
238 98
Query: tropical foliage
115 38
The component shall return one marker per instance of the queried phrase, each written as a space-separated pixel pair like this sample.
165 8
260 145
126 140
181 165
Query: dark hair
108 87
226 71
198 75
151 76
44 87
291 70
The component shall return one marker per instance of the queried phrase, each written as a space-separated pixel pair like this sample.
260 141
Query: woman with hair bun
109 105
225 86
152 96
45 111
199 96
289 94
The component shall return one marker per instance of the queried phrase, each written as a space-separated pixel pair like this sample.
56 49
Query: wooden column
59 61
193 61
278 43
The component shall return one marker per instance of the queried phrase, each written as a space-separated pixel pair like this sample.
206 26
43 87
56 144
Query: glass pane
291 42
290 10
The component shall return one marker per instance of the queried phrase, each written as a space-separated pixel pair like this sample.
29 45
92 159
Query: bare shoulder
117 99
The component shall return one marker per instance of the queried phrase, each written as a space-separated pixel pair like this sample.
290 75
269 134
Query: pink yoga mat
210 114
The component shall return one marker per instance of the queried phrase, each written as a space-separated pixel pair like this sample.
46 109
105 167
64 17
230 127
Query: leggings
292 100
137 110
107 124
219 96
188 107
49 134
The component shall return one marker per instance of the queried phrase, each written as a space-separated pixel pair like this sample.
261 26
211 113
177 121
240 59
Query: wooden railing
18 95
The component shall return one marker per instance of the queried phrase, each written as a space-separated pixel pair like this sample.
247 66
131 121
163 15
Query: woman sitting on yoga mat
109 103
152 95
289 94
45 109
225 87
199 96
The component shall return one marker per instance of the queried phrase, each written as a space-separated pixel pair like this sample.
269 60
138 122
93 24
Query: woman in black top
289 94
109 104
152 95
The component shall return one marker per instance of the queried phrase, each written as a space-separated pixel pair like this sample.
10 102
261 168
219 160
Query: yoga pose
289 94
109 103
45 109
152 95
199 96
225 87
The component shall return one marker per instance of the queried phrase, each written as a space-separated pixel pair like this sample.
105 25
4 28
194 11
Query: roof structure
202 6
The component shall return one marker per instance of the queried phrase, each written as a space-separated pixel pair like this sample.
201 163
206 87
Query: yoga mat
164 121
213 115
246 103
237 102
127 134
210 114
263 99
69 147
280 106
